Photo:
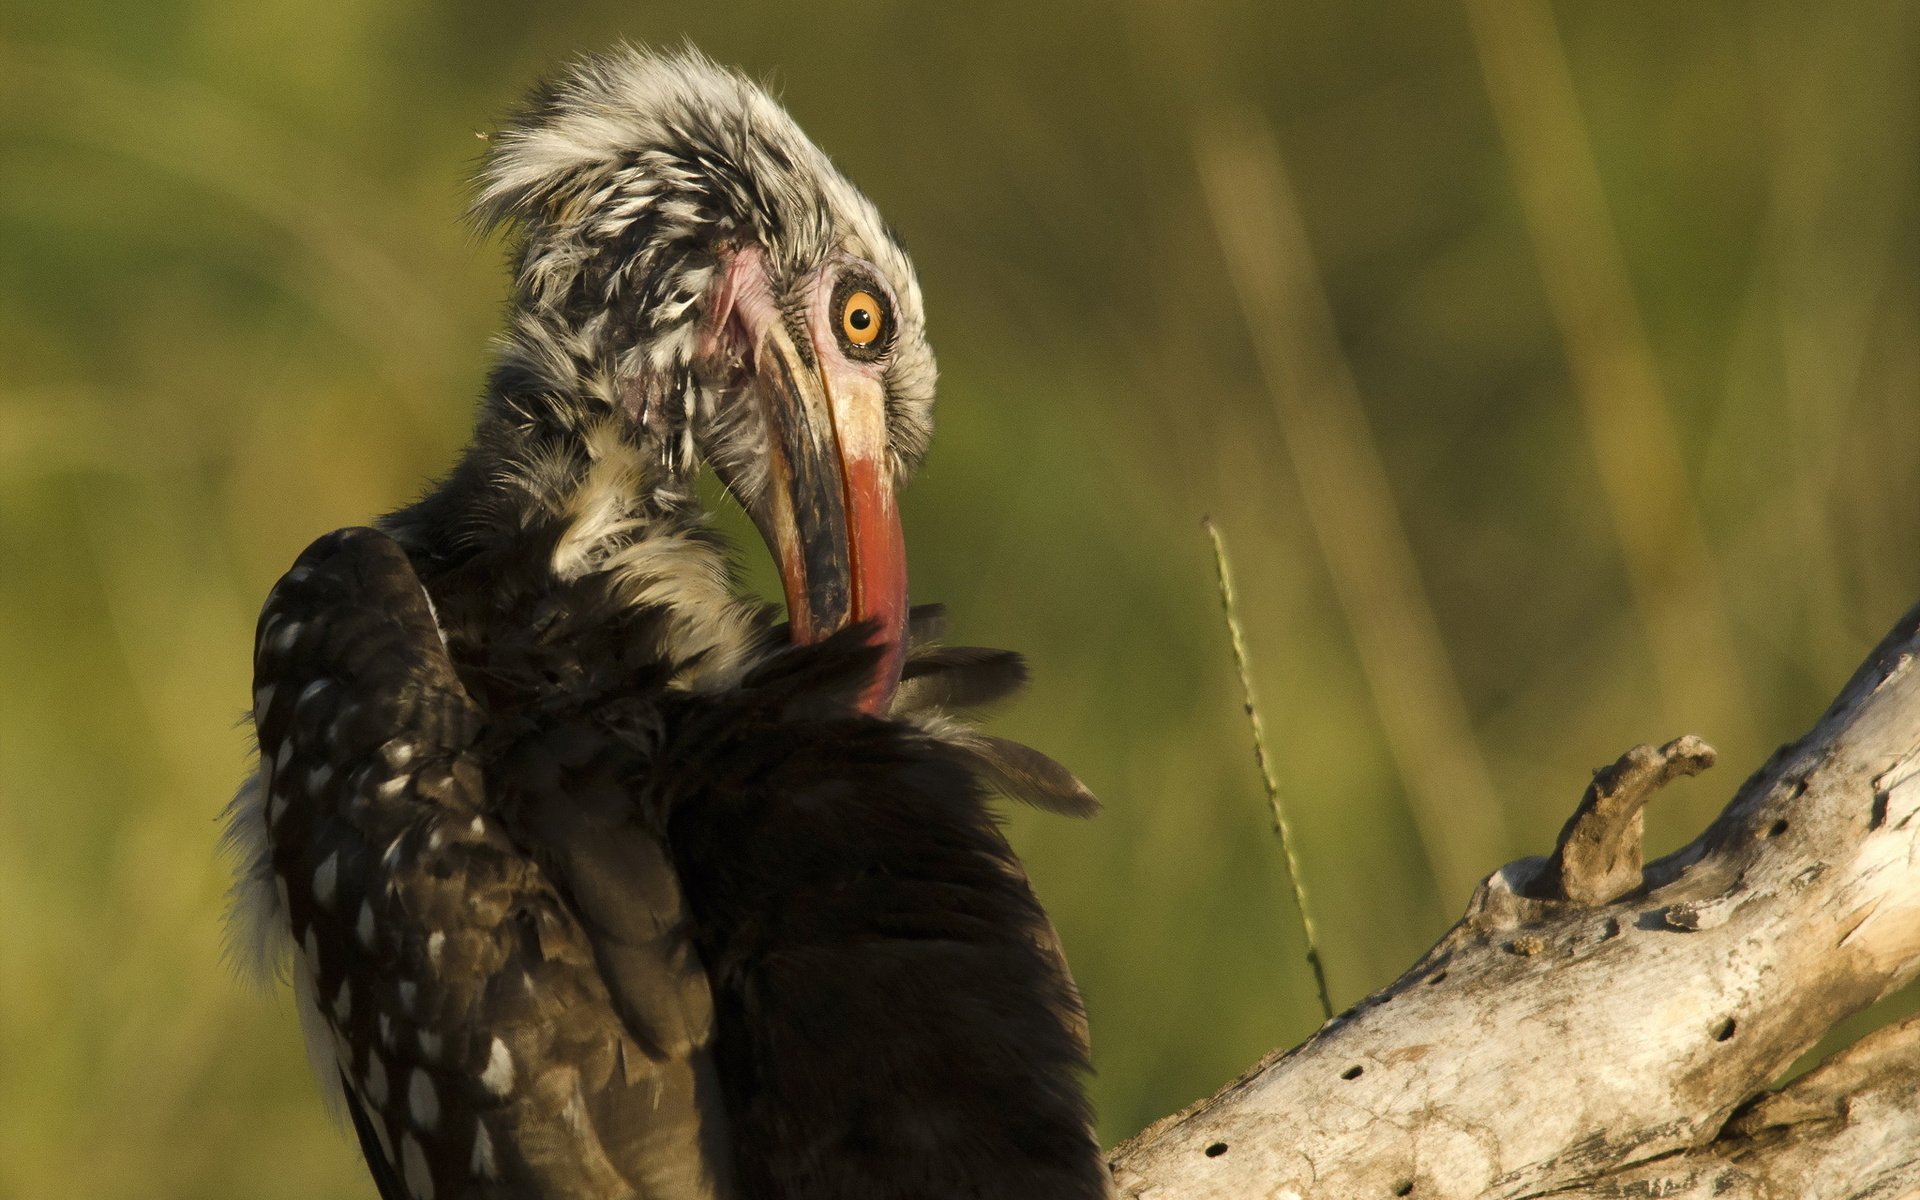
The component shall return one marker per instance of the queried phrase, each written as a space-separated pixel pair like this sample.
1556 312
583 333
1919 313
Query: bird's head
691 269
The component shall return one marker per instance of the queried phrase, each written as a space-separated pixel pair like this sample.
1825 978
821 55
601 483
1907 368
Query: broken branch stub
1587 1018
1599 855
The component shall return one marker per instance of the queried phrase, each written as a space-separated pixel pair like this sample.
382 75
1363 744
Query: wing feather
457 990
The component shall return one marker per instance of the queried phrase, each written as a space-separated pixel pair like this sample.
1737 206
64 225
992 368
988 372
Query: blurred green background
1554 373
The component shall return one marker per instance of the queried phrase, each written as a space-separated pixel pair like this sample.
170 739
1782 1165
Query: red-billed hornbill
596 882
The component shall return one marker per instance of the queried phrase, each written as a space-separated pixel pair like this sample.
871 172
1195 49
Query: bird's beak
827 511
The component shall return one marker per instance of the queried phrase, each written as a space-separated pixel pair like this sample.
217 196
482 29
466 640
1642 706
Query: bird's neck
558 509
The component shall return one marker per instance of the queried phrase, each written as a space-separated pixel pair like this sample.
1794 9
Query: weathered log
1589 1029
1847 1130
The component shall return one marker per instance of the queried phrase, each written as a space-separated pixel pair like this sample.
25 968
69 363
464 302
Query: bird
592 876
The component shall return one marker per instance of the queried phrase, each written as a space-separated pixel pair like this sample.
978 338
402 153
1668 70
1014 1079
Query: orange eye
861 318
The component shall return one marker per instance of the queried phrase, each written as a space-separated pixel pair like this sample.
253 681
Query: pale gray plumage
622 178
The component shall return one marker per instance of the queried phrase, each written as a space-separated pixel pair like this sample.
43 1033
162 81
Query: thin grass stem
1224 573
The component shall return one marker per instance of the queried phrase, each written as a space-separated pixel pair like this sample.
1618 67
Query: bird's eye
861 319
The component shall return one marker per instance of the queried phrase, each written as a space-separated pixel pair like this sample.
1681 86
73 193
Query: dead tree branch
1590 1029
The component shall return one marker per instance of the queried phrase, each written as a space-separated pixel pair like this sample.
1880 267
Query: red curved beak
828 512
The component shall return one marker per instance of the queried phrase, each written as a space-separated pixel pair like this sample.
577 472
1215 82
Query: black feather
959 677
894 1019
384 1180
926 625
1022 773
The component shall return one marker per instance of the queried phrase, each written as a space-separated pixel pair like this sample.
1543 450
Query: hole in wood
1779 827
1216 1150
1724 1032
1352 1072
1438 978
1405 1189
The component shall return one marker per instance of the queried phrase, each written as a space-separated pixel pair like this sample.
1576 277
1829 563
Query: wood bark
1592 1028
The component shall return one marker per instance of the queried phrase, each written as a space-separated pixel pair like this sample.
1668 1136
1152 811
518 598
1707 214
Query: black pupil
860 318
